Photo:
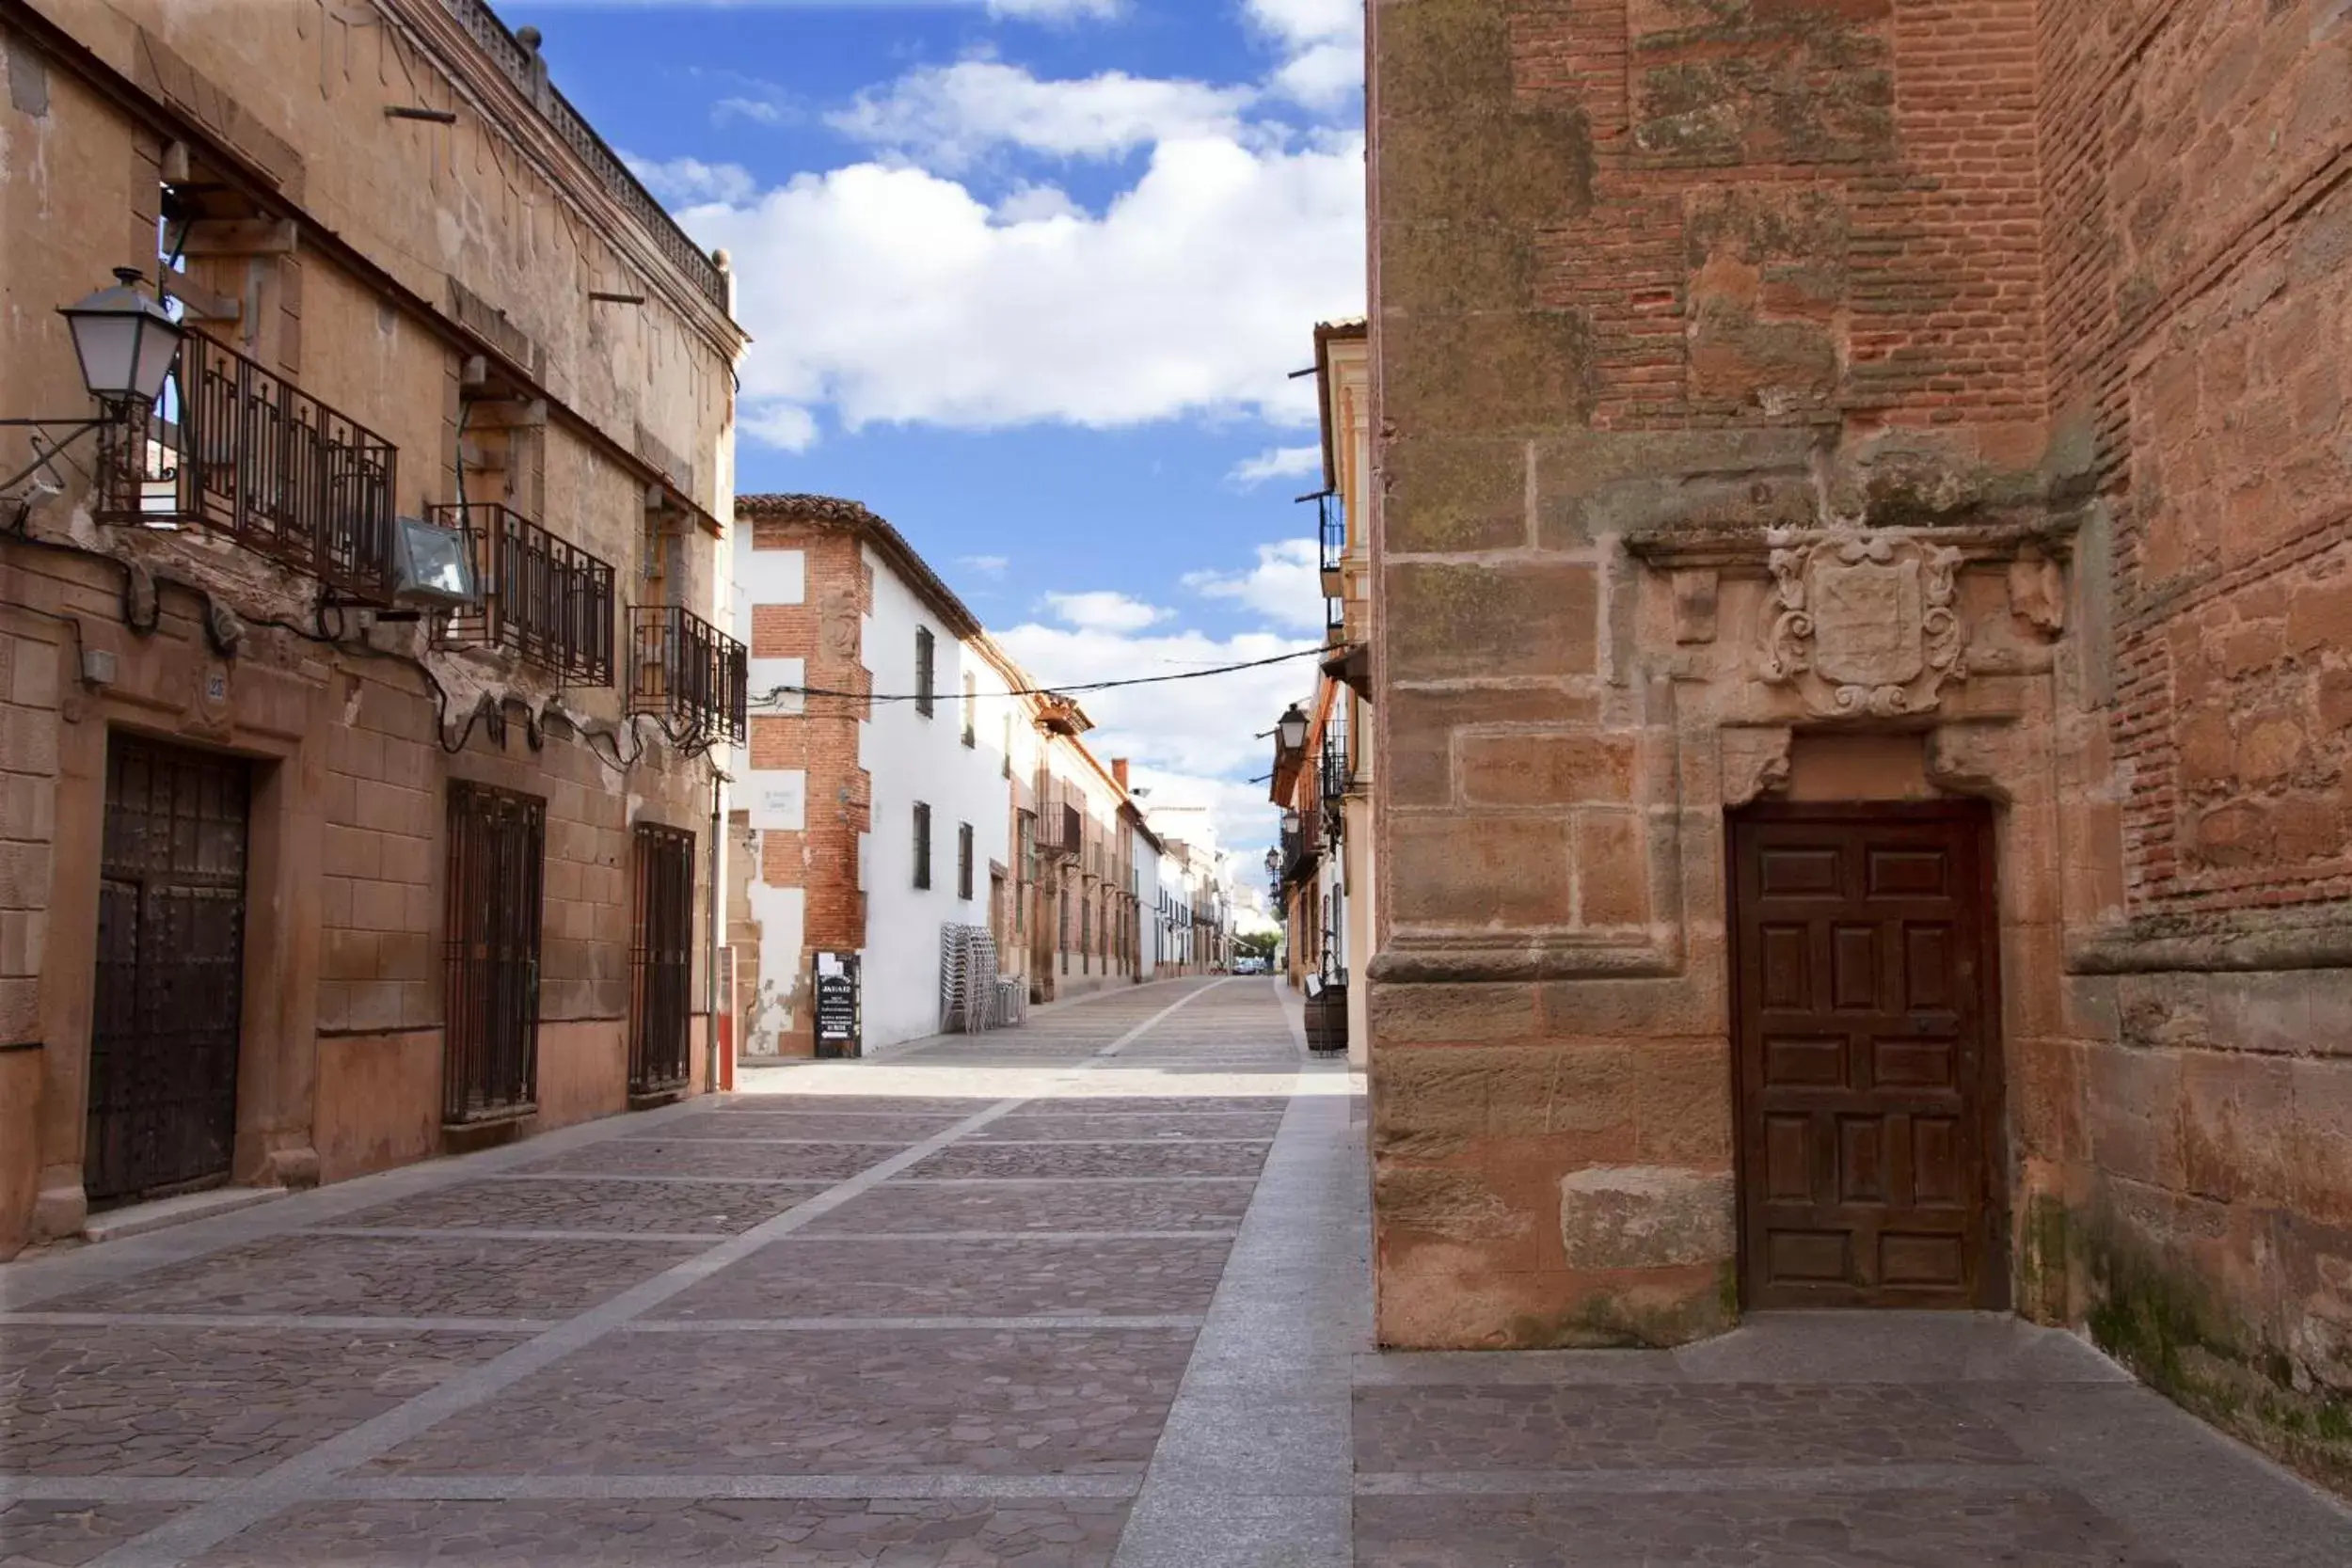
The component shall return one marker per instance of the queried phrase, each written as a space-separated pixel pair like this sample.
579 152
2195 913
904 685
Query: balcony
1339 772
232 448
1061 830
546 600
688 674
1331 529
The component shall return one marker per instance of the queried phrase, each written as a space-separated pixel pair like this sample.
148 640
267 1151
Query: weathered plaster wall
385 255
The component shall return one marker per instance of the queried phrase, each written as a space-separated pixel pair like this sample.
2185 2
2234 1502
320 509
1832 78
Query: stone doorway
170 984
1865 1053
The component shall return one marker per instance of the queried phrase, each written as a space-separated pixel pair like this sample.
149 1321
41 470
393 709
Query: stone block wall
2061 287
2197 1208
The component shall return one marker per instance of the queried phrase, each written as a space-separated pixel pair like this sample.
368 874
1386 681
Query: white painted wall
1147 891
775 798
912 759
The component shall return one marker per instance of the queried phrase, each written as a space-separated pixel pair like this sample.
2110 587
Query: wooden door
162 1071
1869 1069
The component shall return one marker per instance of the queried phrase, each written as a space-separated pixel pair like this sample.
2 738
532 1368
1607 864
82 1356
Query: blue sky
1027 277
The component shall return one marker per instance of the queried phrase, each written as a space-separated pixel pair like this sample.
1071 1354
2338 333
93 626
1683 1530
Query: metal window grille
922 844
547 600
963 860
661 960
232 448
926 669
971 711
1024 869
688 672
490 1051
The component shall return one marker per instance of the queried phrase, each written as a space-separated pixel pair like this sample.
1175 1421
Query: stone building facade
298 882
1864 551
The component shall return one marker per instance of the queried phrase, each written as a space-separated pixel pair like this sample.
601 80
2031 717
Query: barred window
963 860
926 669
922 844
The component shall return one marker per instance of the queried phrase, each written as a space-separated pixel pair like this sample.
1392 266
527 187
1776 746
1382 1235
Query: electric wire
771 697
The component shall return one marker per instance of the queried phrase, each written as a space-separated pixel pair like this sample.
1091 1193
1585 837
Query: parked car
1248 966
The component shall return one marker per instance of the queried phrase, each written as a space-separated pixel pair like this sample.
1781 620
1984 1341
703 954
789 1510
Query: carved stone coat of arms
1864 624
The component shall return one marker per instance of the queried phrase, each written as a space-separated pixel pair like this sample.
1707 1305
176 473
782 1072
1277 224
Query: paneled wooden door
1864 997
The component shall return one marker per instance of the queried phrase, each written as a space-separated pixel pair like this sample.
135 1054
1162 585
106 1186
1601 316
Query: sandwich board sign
838 1015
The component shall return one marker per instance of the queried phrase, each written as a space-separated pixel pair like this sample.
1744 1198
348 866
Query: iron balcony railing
1331 529
234 448
688 673
550 601
1339 773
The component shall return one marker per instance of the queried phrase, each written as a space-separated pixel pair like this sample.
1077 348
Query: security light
432 565
126 341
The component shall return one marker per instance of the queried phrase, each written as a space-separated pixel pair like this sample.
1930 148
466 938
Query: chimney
1119 770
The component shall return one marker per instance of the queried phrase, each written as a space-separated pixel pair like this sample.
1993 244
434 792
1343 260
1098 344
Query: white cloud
759 111
986 565
1277 462
692 182
1322 42
1027 203
786 426
946 117
1103 611
1285 586
1054 10
895 295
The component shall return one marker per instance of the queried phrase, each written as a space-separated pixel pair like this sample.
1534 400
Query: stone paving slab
809 1276
1172 1159
1629 1426
618 1204
1140 1205
2023 1528
992 1402
814 1126
652 1533
400 1276
124 1401
1029 1126
948 1107
664 1157
67 1534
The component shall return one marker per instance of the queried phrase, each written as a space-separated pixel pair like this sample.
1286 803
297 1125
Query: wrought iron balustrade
235 449
688 672
1331 532
547 600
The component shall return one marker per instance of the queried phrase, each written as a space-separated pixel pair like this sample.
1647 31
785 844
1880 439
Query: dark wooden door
170 984
1868 1074
490 1049
661 960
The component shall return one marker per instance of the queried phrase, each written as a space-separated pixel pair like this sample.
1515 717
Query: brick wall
822 740
1652 271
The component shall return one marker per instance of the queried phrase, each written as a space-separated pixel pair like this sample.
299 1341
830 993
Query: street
1089 1291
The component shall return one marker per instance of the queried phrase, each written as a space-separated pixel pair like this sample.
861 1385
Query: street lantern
1289 819
126 340
1292 728
1273 862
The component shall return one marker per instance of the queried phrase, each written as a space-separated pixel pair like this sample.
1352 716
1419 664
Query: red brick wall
823 740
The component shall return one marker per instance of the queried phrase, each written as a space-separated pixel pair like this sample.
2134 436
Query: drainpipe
710 937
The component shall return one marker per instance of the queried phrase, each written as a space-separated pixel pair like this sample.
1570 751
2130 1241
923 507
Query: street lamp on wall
1291 728
126 341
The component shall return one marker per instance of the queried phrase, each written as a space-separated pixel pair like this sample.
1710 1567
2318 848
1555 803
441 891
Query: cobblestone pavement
1089 1295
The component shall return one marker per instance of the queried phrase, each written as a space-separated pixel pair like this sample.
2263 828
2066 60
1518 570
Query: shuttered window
963 860
926 669
922 844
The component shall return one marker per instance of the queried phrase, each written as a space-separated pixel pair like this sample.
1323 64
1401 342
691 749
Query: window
926 669
1008 741
963 860
490 1051
661 960
971 711
922 844
1023 871
1086 926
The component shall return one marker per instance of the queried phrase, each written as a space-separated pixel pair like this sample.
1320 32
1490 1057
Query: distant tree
1257 945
